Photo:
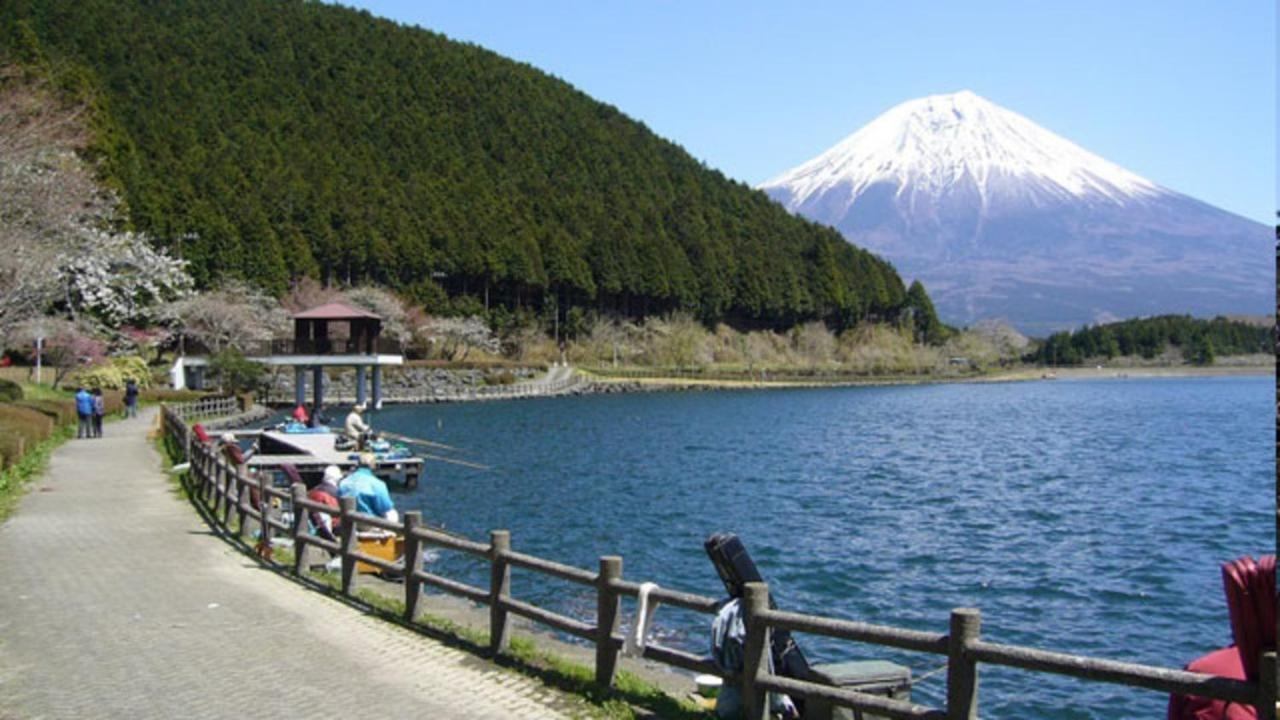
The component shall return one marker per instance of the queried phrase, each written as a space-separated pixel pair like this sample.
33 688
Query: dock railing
226 490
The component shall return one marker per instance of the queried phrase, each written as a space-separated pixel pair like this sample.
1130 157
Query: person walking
130 399
84 409
99 410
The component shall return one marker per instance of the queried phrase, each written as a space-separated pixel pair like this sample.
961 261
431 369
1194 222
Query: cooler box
874 677
389 548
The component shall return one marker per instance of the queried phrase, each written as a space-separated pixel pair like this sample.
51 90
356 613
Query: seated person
300 414
356 428
326 493
369 490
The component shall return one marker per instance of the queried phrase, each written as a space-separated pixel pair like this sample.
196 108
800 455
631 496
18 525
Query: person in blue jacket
84 409
370 492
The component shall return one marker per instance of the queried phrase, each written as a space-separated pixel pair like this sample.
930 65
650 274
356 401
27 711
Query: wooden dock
312 452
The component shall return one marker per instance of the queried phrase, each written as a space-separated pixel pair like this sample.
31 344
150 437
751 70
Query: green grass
15 480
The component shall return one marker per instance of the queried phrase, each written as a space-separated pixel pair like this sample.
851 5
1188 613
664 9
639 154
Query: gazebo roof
335 311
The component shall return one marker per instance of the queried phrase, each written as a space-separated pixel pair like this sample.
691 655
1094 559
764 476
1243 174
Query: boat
310 450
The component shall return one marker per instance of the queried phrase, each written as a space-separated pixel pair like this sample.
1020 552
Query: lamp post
39 353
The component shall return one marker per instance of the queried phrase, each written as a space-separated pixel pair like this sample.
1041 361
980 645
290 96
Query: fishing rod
463 463
418 441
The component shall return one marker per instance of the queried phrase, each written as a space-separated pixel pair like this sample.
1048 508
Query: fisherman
326 493
300 414
370 491
357 429
84 409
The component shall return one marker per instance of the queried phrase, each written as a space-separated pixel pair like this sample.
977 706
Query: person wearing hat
326 493
369 490
356 427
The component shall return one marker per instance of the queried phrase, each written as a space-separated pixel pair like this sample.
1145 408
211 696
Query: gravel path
116 601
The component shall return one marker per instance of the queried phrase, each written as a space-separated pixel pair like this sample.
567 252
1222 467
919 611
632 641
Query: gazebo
331 335
311 330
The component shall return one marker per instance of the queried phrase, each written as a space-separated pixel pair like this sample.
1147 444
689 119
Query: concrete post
499 587
755 701
412 562
317 377
299 386
377 387
607 605
360 375
962 670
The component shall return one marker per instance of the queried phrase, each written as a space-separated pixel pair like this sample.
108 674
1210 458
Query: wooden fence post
349 542
755 702
499 587
264 506
299 493
1267 686
220 481
607 604
242 508
412 563
235 484
962 670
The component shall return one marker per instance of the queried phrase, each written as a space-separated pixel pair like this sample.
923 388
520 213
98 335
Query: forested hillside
269 140
1199 341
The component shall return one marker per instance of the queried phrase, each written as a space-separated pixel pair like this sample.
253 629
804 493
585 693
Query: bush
101 376
62 411
21 429
12 446
10 391
501 377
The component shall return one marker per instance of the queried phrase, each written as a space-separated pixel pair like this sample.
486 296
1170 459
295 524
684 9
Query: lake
1080 516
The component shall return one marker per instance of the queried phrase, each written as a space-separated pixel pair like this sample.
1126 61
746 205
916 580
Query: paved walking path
115 601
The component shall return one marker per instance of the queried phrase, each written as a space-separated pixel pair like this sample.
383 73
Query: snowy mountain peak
939 143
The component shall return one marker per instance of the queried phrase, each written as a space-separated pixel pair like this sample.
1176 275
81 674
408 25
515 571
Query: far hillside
1194 341
269 141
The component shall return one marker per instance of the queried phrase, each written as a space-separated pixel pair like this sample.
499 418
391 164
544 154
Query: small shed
312 330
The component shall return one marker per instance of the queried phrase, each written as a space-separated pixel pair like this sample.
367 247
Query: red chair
1251 604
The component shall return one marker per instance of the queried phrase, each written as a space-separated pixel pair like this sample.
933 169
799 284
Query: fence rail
226 490
205 407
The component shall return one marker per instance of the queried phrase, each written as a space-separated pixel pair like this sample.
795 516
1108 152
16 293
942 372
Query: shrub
133 368
10 391
62 411
35 425
12 446
501 377
101 376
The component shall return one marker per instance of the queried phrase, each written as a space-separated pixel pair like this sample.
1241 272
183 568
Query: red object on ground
1250 588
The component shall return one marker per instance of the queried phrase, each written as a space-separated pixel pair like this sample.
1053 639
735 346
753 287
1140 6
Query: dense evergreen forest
1199 340
269 140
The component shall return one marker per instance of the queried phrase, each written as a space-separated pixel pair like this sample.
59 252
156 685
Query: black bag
736 568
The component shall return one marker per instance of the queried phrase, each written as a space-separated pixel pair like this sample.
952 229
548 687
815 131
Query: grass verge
15 480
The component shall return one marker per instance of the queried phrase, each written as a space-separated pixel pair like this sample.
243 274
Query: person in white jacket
356 427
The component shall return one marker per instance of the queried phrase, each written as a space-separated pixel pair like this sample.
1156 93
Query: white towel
633 645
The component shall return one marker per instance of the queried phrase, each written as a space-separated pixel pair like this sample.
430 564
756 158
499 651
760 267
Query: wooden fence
225 491
204 407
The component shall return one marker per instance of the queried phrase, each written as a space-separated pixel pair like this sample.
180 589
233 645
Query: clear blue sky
1181 92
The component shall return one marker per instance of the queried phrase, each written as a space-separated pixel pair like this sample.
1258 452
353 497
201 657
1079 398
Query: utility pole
39 353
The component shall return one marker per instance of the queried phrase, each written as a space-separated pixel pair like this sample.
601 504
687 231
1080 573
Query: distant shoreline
605 384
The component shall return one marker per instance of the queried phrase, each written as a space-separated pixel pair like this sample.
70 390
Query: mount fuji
1000 218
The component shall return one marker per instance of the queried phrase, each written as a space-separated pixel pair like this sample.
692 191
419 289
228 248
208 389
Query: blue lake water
1079 516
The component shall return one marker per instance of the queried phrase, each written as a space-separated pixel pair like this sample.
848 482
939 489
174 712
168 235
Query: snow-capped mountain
1001 218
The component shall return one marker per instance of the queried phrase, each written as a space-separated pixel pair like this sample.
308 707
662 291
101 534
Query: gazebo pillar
299 386
377 386
360 394
317 375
